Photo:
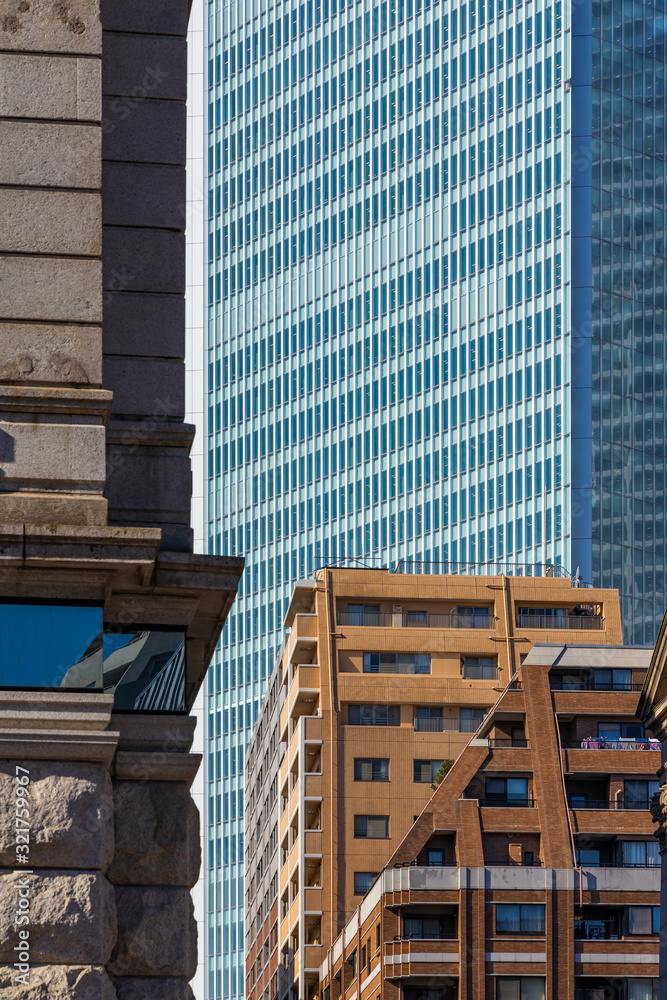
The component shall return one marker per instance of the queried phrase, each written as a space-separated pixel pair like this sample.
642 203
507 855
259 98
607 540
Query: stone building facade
107 618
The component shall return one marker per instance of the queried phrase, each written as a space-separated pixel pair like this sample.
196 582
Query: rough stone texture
71 811
47 288
157 933
72 917
144 194
169 17
58 222
56 455
144 66
143 131
147 483
144 324
58 982
69 155
50 87
50 354
157 834
64 26
41 508
152 989
153 260
128 377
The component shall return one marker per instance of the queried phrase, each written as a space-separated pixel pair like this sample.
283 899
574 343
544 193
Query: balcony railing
520 926
592 685
470 672
424 567
619 803
502 744
571 622
603 744
509 803
447 725
410 619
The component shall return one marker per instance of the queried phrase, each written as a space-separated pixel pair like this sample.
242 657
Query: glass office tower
435 317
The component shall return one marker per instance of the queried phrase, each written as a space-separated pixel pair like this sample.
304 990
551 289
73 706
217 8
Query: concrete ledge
55 711
98 748
146 733
156 765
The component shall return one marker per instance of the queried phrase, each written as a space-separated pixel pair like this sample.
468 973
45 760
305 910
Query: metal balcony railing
571 622
592 685
502 744
619 803
605 744
447 725
509 803
471 672
414 619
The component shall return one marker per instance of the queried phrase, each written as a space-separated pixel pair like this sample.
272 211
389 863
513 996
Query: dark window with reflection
51 646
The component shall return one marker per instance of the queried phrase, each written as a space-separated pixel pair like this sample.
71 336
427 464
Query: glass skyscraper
435 318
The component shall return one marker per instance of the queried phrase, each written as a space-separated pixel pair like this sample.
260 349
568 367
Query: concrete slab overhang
134 580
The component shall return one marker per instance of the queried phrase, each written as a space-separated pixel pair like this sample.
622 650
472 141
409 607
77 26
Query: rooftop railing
492 568
607 744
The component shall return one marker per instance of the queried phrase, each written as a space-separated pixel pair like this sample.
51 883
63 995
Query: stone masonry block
163 17
144 66
148 483
146 386
49 288
152 260
144 324
58 982
39 353
143 130
152 989
157 933
54 456
54 222
71 808
44 508
69 155
143 194
45 26
72 917
157 834
50 87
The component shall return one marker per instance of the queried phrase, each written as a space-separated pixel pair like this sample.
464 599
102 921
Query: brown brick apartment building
383 676
532 873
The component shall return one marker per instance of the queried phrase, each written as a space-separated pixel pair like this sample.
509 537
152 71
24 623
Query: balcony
584 684
569 622
620 744
415 619
620 803
508 803
472 672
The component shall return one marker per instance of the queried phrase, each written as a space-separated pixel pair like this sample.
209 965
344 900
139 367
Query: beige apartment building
384 677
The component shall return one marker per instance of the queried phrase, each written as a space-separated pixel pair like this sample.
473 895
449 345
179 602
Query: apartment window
624 989
371 827
620 731
423 928
638 794
640 853
352 962
363 614
435 857
363 881
611 680
519 918
371 769
425 770
520 988
641 920
373 715
479 668
397 663
507 792
470 617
